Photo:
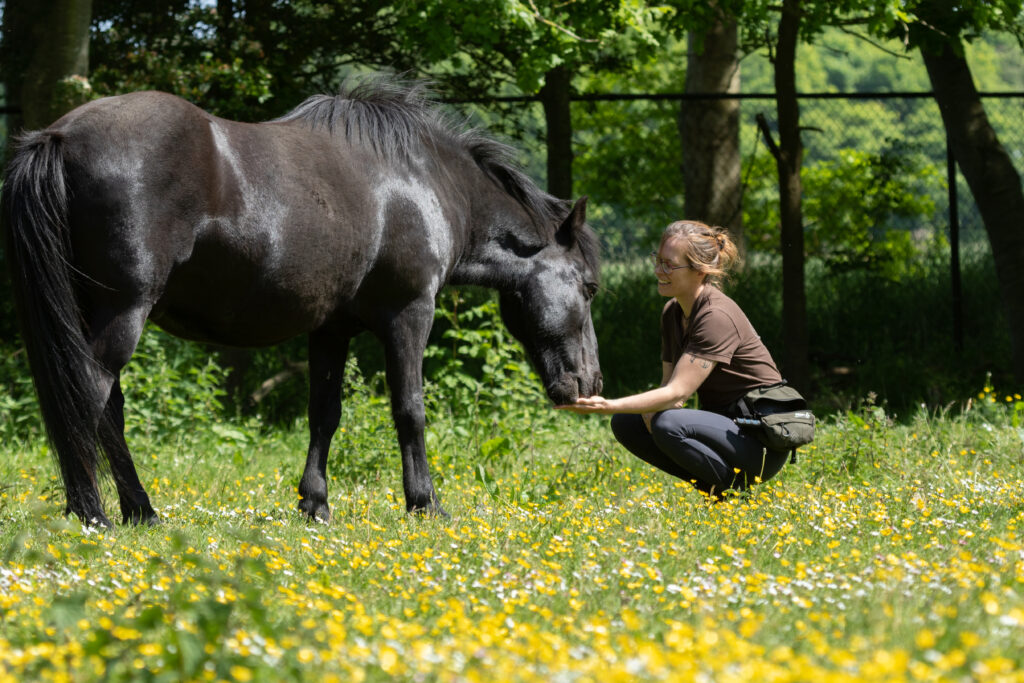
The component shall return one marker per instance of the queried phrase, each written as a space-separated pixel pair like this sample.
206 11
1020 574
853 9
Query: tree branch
874 44
762 123
558 27
292 369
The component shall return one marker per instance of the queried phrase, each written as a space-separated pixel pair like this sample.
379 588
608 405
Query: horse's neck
491 258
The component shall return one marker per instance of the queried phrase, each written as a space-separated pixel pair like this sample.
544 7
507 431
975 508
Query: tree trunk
225 22
15 52
710 130
789 160
993 180
558 116
55 78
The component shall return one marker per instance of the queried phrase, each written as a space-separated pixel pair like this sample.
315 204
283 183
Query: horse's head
549 310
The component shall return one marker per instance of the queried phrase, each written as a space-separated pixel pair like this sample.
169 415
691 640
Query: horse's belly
257 314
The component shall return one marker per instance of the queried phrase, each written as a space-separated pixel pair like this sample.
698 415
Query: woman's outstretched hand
588 405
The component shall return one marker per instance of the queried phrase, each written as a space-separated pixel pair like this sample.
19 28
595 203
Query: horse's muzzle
568 387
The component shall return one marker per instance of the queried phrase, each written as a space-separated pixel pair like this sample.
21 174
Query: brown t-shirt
719 331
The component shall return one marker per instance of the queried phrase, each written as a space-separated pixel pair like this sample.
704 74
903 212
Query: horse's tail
35 209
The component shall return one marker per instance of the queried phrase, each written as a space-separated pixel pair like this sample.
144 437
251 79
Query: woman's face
676 275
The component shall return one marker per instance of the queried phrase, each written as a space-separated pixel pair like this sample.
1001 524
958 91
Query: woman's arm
666 375
687 375
666 372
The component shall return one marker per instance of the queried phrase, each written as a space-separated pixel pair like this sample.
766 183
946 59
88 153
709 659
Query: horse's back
246 233
117 135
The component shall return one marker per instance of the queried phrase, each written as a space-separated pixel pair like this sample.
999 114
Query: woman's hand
589 405
688 374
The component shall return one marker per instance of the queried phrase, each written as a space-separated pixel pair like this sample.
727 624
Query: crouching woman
708 347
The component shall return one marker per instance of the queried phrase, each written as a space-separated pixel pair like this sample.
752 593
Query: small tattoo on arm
704 363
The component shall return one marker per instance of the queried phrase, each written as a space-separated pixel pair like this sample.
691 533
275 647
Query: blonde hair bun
708 248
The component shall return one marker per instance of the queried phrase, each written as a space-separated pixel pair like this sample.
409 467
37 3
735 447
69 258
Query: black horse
347 214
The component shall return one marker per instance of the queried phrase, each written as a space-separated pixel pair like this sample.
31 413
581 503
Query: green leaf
499 445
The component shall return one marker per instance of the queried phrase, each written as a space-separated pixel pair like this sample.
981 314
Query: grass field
889 552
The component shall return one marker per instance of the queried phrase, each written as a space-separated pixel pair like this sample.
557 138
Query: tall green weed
170 386
479 384
19 410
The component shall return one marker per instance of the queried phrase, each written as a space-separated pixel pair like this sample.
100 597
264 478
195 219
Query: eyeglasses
665 265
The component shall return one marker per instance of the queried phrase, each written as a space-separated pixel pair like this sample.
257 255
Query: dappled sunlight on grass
887 553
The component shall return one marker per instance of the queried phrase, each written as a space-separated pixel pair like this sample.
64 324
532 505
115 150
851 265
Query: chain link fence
902 129
912 124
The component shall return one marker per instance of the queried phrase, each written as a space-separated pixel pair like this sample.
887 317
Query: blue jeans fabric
700 447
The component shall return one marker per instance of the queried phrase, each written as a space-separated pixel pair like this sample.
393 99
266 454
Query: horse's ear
573 223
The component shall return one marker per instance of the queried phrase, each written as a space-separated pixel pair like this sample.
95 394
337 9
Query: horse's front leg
405 340
327 356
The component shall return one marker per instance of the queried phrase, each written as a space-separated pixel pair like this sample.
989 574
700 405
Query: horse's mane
397 116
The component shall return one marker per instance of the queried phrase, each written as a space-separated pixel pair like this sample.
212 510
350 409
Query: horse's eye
591 289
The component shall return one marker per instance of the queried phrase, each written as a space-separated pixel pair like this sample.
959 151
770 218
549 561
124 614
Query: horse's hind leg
82 491
327 356
135 505
113 343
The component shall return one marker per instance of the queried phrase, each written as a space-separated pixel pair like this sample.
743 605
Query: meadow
889 551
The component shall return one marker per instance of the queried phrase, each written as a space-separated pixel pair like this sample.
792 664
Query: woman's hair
708 248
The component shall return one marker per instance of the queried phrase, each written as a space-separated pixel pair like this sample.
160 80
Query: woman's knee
626 427
671 426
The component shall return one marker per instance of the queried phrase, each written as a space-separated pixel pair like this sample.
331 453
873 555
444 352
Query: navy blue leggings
700 447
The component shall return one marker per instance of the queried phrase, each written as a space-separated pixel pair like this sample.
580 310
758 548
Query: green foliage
859 209
479 383
496 41
237 85
991 410
896 339
627 314
169 386
929 24
627 153
19 410
759 19
865 431
71 92
366 444
186 60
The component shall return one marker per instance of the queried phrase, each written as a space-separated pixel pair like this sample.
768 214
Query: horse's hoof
96 520
432 510
317 512
99 522
141 518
